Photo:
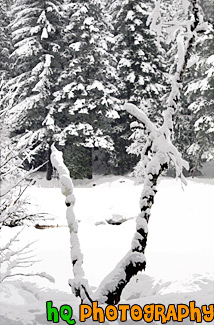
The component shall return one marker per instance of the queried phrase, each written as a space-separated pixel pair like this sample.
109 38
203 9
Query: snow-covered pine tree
194 124
140 65
37 41
87 96
139 58
5 46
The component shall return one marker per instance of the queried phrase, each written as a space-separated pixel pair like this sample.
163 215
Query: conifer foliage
201 102
140 73
87 96
5 44
70 67
139 58
36 36
194 127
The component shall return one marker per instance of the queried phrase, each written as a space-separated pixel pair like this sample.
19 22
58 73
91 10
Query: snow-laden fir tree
194 130
36 58
140 64
5 44
139 58
87 96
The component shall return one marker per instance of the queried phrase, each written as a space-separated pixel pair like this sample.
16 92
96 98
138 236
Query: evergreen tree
139 67
87 96
194 130
194 127
5 44
37 41
139 59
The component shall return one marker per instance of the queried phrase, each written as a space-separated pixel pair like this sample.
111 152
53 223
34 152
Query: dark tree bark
49 169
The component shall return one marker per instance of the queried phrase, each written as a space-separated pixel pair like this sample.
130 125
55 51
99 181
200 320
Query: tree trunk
49 169
134 261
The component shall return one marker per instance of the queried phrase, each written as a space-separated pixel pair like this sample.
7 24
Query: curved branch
78 283
141 116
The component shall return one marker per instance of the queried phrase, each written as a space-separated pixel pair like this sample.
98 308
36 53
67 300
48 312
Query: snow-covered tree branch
14 257
14 181
79 284
159 151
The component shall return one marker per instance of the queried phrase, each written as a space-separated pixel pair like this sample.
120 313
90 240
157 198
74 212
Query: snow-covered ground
180 263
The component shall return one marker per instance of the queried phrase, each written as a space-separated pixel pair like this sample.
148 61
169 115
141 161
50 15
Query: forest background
68 67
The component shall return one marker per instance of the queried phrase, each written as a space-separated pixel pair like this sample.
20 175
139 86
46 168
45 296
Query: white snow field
180 263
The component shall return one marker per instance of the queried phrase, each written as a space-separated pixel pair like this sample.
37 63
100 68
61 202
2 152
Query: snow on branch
141 116
13 258
79 285
110 289
14 182
161 138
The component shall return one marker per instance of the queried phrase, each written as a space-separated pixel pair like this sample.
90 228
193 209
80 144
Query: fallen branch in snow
38 226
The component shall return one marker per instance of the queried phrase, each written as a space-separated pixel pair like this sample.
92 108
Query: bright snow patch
178 254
